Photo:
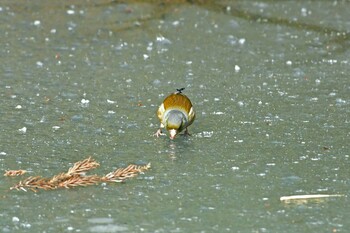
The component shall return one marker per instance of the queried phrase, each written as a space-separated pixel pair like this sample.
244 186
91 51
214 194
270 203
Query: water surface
269 82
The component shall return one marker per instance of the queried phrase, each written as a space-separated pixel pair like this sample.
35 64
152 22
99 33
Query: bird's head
175 122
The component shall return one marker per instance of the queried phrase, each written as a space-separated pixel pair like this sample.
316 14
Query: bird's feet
158 133
186 133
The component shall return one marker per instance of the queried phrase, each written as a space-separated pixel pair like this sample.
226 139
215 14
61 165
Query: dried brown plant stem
83 166
14 172
121 174
75 177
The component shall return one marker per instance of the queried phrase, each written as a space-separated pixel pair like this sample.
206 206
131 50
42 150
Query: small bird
175 114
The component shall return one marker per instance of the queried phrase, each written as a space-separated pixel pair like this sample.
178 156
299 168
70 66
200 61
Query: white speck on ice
340 101
175 23
111 112
145 56
100 220
305 12
289 63
188 62
235 168
240 103
156 82
121 131
149 46
218 113
110 101
37 22
15 219
55 127
237 68
70 12
208 134
42 120
3 153
39 64
85 101
18 107
331 61
163 40
108 228
53 31
216 99
23 130
241 41
26 225
128 80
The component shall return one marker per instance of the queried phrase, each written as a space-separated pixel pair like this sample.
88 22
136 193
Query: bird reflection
176 149
172 151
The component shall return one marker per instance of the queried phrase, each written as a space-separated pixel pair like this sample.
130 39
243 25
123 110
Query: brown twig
304 198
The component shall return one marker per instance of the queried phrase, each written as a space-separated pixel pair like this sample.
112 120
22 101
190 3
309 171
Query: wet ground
270 84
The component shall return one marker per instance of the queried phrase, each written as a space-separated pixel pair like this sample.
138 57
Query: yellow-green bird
176 113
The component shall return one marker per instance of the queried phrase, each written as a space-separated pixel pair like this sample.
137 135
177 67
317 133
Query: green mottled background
270 84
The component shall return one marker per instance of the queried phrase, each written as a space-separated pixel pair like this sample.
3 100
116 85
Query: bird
175 114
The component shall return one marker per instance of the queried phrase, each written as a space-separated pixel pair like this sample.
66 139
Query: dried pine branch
57 179
83 166
14 172
121 174
75 178
33 182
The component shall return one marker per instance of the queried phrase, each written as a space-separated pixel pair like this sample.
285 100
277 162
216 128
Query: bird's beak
173 133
